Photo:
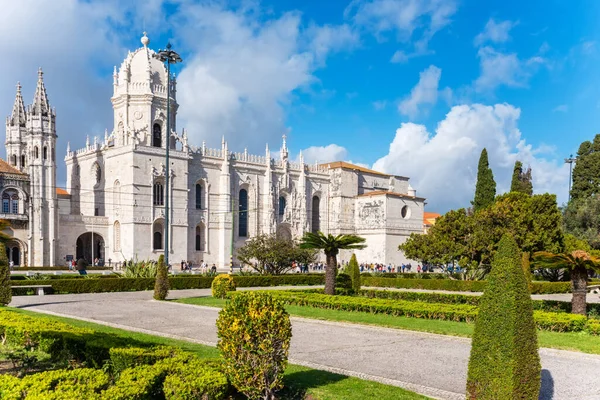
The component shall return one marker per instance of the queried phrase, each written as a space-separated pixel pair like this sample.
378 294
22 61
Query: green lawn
575 341
300 382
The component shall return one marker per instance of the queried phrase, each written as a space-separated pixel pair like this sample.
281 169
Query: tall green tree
521 179
273 255
331 246
586 173
354 272
504 361
581 218
485 190
161 282
472 239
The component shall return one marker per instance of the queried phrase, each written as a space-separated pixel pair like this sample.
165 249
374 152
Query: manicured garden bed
111 284
147 372
458 286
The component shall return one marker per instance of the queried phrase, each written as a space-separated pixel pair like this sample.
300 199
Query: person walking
81 266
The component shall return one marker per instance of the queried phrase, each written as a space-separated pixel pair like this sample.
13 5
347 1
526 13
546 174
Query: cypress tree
521 180
586 171
5 290
504 361
485 190
354 272
161 285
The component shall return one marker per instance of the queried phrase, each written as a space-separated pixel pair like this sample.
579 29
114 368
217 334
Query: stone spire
17 118
41 105
284 150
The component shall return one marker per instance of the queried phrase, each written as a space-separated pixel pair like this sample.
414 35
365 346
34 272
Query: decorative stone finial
145 40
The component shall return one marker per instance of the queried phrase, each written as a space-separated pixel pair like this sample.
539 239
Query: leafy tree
270 254
161 284
354 272
331 246
579 262
504 361
5 290
521 179
586 173
533 221
582 219
485 190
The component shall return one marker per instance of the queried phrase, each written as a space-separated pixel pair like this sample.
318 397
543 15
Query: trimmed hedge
550 321
448 298
221 285
188 282
60 268
410 275
459 286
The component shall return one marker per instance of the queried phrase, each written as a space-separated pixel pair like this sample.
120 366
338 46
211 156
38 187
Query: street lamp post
570 161
169 57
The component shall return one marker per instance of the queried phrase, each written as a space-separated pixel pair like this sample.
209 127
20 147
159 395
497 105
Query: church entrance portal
84 247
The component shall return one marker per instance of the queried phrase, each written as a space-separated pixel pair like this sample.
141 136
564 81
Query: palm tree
331 245
579 262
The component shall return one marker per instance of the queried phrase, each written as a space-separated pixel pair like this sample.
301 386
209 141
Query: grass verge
574 341
300 382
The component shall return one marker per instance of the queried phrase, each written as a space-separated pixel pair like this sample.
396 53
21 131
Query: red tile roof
9 169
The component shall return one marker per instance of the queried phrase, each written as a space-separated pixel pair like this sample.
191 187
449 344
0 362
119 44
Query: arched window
37 152
243 214
199 195
200 237
53 156
156 135
14 204
316 210
117 235
23 161
281 205
157 236
158 194
13 160
5 203
45 153
117 194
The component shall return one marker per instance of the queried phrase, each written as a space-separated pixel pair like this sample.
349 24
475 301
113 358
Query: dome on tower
142 70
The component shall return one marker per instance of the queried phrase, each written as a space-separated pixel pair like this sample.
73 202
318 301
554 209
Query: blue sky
410 87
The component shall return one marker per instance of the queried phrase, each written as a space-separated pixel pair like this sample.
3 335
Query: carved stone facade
114 203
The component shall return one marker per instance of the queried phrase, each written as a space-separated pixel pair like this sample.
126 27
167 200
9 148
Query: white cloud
443 166
331 38
380 105
323 154
497 32
561 108
424 93
499 68
408 20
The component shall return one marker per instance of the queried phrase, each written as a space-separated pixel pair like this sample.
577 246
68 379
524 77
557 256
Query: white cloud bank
443 166
323 154
497 32
425 92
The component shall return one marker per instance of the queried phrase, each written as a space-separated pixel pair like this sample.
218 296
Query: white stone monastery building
115 187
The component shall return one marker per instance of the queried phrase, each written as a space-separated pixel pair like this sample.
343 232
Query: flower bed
551 321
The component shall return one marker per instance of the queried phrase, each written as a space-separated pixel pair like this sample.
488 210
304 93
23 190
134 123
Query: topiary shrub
254 333
527 269
221 285
504 361
354 272
161 286
5 290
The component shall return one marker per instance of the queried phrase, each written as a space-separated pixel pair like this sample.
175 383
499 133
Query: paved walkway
433 365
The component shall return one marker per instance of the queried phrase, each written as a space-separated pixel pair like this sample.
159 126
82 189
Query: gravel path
433 365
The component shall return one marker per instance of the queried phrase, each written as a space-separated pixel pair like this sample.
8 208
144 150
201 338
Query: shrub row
410 275
459 286
447 298
143 373
60 268
558 322
137 284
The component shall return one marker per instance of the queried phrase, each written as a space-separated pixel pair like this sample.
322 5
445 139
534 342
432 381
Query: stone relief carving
371 214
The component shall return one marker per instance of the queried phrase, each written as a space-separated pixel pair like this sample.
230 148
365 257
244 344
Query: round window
405 212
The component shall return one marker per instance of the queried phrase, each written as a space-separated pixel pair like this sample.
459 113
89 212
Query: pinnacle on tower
41 105
17 117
